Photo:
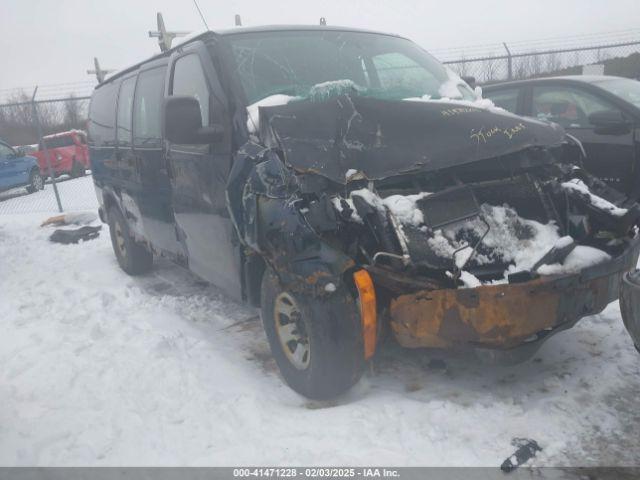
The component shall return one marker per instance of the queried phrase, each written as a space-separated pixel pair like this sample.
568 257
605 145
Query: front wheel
316 342
36 181
134 258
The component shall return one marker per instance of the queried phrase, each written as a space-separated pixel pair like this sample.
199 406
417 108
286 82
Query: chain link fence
620 59
24 120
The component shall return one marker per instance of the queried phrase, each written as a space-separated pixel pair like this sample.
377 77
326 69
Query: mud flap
630 305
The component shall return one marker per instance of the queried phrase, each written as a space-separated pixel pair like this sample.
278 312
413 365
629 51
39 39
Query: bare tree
17 121
554 62
535 65
489 69
72 113
461 67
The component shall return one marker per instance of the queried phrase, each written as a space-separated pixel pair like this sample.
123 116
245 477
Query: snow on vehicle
345 180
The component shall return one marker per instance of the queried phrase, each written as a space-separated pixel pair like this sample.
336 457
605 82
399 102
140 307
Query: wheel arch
109 199
254 267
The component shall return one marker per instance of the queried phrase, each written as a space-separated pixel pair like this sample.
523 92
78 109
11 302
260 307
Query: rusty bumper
506 316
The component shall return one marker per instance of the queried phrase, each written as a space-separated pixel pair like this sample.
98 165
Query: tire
630 305
77 170
328 330
133 258
36 181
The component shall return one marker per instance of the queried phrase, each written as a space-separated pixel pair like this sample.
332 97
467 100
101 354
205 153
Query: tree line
17 122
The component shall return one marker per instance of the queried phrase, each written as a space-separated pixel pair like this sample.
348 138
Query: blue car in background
18 170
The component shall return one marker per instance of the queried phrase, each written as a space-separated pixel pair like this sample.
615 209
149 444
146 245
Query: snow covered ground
98 368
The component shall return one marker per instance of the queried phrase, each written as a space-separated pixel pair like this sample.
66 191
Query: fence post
509 61
44 146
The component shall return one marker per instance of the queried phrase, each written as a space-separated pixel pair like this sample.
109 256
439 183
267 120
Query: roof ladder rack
164 37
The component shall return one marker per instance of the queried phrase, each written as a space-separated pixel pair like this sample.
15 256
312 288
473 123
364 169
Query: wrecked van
353 188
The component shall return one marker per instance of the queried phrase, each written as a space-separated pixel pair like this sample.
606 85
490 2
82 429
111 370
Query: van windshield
311 63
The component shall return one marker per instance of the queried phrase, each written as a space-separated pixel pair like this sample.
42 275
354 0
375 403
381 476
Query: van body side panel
153 193
199 177
102 141
173 196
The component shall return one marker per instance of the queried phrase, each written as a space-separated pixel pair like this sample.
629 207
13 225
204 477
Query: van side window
102 115
189 79
147 108
125 102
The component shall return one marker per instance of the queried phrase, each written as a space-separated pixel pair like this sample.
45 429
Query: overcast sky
54 41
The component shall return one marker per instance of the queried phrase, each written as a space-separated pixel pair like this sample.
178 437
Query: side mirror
471 81
20 152
182 122
608 119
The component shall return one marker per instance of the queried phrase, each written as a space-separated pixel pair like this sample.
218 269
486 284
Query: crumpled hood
383 138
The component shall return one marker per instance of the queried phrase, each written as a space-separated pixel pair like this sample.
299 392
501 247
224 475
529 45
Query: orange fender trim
368 311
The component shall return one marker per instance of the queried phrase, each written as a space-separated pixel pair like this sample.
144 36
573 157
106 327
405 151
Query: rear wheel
36 181
316 342
134 258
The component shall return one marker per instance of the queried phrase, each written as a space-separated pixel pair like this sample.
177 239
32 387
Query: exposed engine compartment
520 218
465 234
465 250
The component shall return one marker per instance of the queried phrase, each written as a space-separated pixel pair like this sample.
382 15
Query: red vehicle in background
68 154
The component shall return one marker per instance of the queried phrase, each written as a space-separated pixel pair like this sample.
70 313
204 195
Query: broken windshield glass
375 65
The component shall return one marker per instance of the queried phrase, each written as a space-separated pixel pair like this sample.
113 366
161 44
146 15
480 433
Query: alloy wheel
292 331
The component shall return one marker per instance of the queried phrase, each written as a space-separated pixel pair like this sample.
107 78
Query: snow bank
578 185
253 110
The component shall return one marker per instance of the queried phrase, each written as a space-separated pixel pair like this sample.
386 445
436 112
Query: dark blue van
352 187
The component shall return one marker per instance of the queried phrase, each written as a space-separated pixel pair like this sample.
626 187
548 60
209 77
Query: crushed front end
473 226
